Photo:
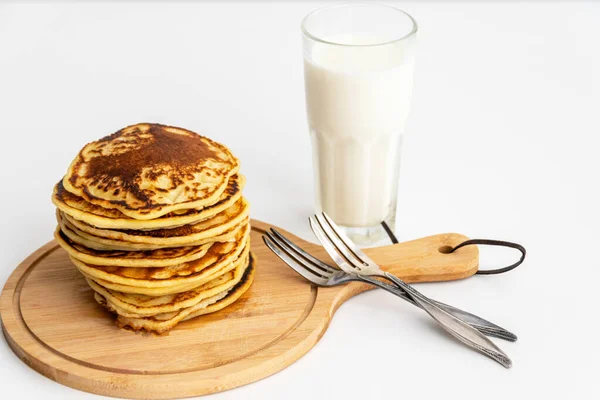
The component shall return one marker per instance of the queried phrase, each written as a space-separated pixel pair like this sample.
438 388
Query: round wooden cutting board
52 322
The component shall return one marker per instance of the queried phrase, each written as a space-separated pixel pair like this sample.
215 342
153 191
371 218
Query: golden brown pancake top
170 154
149 170
72 200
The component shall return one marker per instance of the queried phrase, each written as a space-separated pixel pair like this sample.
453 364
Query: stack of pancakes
153 217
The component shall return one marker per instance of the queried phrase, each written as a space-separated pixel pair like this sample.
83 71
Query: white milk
358 100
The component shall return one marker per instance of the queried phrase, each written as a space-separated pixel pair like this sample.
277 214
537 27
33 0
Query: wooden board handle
420 260
427 259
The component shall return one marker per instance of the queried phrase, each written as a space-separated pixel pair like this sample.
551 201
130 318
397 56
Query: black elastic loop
495 243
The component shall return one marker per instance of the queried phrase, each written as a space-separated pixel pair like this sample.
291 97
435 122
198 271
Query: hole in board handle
445 249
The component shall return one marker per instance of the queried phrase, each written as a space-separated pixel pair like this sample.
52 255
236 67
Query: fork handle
457 328
482 325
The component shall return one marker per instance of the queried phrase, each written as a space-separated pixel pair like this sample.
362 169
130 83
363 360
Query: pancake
152 324
216 257
82 210
202 232
149 170
183 286
163 323
176 285
154 218
175 301
139 259
102 244
136 306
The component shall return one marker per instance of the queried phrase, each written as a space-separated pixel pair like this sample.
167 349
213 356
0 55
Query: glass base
371 236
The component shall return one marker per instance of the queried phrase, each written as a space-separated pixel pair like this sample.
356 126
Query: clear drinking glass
358 71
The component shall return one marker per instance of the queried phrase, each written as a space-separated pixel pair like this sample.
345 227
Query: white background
503 144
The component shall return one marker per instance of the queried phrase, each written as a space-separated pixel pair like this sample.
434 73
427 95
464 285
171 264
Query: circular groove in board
112 340
207 342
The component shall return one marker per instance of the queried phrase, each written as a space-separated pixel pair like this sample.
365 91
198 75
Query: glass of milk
358 70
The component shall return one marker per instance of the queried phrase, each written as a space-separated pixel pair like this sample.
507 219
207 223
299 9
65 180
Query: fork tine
354 249
334 252
333 239
305 273
303 253
298 258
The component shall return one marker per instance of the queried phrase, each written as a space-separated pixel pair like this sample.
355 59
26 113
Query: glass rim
318 10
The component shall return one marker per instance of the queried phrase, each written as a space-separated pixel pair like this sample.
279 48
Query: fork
352 260
323 274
